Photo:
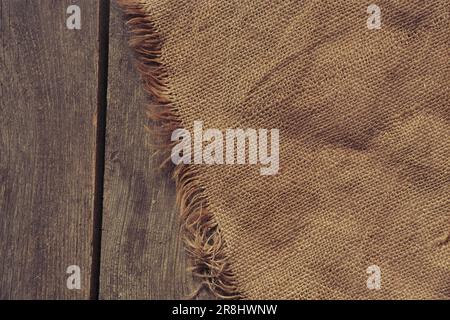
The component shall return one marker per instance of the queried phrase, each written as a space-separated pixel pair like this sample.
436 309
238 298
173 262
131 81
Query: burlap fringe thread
201 235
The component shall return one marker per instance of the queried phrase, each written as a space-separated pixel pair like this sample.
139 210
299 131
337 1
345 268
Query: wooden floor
78 182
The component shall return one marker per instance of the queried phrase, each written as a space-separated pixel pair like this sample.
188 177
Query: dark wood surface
142 256
48 103
54 169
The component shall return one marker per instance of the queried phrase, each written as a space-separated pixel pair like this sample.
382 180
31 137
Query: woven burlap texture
364 126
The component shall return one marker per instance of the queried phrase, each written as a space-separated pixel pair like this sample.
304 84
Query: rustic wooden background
78 183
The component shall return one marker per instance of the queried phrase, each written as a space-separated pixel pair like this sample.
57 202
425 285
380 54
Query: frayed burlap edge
202 237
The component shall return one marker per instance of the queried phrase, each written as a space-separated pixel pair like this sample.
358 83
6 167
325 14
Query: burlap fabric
364 126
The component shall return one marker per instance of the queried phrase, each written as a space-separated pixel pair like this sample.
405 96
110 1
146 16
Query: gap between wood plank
103 34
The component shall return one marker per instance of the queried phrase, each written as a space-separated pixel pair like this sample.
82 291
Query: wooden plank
142 256
48 101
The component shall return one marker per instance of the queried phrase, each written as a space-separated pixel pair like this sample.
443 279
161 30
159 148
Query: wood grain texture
142 256
48 101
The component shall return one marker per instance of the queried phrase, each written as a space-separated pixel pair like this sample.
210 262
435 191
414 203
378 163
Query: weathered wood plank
142 256
48 101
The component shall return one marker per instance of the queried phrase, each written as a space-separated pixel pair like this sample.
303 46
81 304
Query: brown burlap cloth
364 126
